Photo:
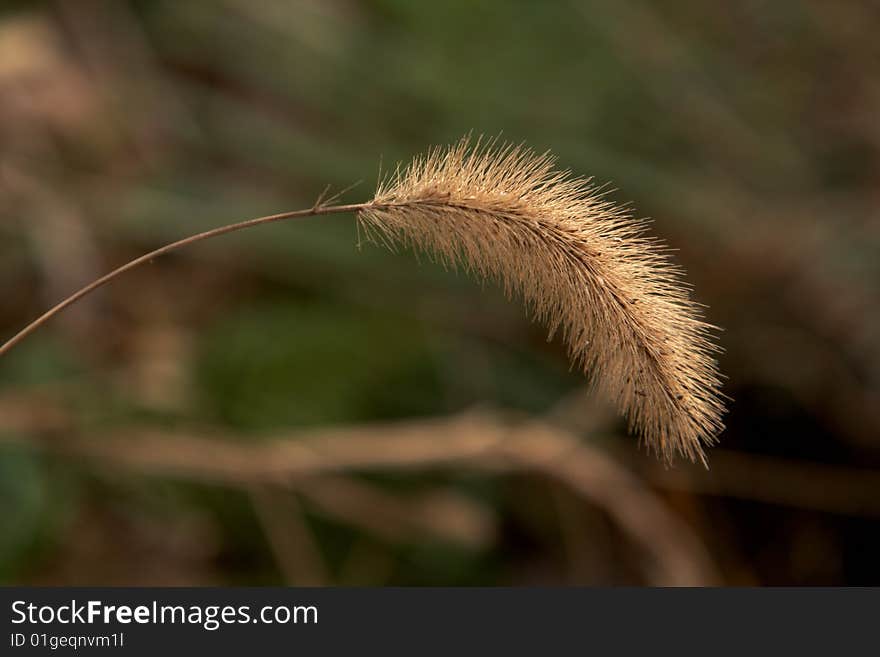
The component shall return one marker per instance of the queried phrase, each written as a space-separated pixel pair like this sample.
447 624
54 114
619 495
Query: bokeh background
282 406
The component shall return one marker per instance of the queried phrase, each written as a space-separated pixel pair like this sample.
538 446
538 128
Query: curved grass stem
317 209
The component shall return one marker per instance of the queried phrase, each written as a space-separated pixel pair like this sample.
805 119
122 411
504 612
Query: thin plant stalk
315 210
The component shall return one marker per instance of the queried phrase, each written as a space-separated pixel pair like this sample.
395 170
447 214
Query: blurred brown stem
476 440
289 536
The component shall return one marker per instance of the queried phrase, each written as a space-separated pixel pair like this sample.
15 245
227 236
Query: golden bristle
580 263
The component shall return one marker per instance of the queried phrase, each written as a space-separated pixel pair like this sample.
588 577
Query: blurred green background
749 131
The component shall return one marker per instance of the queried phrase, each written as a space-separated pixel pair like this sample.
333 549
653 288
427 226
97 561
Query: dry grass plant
582 265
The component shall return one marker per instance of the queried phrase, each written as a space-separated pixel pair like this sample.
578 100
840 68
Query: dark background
135 429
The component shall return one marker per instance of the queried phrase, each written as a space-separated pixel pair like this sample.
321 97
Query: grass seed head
583 266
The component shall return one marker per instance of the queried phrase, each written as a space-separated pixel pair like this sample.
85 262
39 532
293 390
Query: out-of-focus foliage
748 131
